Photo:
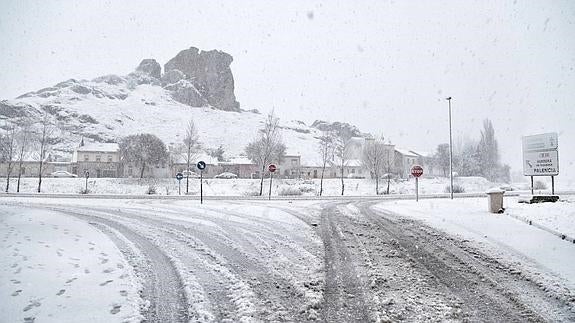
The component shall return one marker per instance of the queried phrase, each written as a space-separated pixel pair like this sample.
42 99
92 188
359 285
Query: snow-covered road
336 261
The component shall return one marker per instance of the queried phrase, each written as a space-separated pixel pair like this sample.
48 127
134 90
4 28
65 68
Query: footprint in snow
15 281
16 293
124 293
106 282
71 280
116 309
103 261
17 271
33 303
108 270
62 291
120 266
86 271
29 319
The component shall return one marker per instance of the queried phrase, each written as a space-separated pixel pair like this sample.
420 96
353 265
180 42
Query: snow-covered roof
353 163
99 146
422 153
406 152
238 160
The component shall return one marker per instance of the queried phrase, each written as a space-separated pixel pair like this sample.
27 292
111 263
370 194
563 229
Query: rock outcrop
209 72
150 67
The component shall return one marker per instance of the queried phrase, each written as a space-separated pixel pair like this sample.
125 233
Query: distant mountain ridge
195 85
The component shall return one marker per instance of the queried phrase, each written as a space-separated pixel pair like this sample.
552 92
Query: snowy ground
244 261
513 241
57 268
249 187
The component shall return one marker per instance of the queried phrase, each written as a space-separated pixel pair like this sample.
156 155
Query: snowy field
250 187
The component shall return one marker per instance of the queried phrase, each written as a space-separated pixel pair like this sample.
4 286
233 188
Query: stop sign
272 168
416 171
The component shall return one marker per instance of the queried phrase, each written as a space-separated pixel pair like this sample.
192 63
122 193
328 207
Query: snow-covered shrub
251 193
151 189
289 190
307 188
456 189
539 185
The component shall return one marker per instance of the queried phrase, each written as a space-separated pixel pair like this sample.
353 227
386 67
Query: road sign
545 141
540 155
87 174
179 176
201 165
416 171
272 168
541 163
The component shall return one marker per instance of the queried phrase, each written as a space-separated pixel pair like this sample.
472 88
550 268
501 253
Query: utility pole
450 151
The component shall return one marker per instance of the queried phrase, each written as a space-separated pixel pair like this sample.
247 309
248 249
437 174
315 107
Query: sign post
179 177
541 157
87 174
416 171
201 165
272 168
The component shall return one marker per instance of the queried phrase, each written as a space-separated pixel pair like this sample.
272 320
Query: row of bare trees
16 141
337 148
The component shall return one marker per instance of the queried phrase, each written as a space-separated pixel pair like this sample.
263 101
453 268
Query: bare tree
8 152
268 147
388 167
326 151
191 145
23 140
143 150
45 137
373 158
342 152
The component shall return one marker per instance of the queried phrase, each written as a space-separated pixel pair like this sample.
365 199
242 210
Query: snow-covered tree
44 138
326 150
191 144
8 147
23 139
374 158
268 147
143 150
441 158
342 154
488 154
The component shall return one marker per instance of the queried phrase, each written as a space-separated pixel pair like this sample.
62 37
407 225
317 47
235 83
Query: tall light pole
450 151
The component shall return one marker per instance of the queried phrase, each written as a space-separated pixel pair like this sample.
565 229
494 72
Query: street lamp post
450 151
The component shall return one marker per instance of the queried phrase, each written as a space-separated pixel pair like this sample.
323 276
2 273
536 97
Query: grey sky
385 66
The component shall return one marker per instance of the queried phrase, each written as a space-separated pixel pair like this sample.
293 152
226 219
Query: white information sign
540 155
546 141
541 163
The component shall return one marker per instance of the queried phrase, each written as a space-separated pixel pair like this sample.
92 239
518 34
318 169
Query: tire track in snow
486 290
162 286
229 255
344 299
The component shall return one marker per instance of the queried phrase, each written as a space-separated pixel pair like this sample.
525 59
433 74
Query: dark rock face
185 92
173 76
150 67
210 73
340 128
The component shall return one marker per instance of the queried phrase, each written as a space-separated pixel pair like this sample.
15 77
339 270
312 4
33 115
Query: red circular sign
416 171
272 168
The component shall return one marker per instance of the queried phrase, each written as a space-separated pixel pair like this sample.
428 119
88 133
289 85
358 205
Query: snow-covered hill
108 108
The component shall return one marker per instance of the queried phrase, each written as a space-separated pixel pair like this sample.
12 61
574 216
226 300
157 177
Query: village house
30 166
99 159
